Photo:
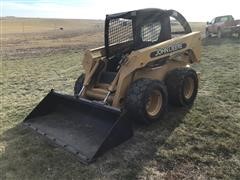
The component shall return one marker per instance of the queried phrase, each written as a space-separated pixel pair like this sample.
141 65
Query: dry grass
37 25
23 37
202 143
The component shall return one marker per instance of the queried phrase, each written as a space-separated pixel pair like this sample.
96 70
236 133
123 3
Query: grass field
26 37
202 143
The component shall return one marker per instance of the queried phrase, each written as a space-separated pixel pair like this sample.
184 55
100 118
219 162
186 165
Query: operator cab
133 30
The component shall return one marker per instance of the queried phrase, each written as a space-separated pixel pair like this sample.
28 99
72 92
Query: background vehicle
223 26
132 77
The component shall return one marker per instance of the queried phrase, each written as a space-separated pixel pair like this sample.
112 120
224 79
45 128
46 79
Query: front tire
182 86
207 34
146 100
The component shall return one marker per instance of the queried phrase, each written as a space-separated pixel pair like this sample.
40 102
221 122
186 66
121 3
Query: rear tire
78 84
146 100
182 86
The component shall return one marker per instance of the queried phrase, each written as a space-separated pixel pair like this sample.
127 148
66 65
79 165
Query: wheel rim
188 87
154 103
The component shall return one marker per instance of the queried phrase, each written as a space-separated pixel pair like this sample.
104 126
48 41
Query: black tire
78 84
138 96
207 34
177 81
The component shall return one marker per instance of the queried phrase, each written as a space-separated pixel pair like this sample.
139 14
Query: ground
200 143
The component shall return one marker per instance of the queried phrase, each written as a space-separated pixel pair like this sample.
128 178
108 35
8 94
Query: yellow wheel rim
154 103
188 87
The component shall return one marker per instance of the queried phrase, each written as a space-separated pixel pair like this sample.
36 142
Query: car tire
207 34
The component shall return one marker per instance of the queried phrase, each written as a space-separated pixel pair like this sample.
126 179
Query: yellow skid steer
143 66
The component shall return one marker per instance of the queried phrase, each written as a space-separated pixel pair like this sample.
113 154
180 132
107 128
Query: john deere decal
169 49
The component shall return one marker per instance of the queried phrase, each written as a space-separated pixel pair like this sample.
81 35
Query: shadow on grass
29 156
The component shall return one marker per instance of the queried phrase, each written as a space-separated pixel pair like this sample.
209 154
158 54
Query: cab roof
140 12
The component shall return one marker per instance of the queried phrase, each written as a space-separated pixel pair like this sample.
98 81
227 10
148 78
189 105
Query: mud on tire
182 86
146 100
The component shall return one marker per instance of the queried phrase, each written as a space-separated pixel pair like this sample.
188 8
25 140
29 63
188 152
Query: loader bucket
84 128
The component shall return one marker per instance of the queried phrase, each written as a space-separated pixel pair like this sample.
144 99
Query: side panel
191 41
158 73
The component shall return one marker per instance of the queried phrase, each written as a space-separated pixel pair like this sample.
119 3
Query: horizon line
63 18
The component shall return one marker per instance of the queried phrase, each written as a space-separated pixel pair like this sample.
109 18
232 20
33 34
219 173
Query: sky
203 10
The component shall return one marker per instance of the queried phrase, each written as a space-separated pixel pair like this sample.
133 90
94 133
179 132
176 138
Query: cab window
176 28
213 21
150 32
222 19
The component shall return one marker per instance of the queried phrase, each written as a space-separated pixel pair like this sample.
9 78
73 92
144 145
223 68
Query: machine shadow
144 146
33 154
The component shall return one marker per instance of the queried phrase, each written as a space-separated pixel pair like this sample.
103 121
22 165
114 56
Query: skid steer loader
144 64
